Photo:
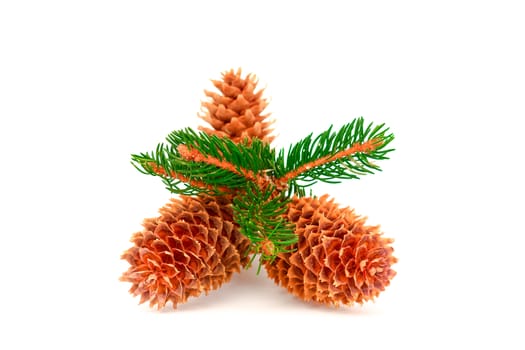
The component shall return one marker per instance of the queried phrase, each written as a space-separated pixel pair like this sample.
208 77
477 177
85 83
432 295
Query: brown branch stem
195 183
196 156
364 147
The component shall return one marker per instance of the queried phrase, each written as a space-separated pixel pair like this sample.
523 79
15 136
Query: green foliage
254 156
175 170
327 145
260 215
262 179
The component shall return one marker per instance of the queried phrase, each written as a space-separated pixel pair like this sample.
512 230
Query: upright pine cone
337 260
192 247
236 112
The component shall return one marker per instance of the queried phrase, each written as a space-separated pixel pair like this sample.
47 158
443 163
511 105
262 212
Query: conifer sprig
252 156
186 177
260 215
262 179
334 156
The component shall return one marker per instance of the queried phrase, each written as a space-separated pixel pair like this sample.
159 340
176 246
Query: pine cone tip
236 111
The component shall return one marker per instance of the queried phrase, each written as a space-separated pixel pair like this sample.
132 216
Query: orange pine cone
192 247
236 111
337 260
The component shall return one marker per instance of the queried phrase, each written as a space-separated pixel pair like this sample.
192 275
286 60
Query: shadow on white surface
249 292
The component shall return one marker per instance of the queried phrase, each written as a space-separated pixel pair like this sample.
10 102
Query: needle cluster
261 179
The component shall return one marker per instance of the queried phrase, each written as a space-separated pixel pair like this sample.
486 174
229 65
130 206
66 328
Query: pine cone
337 260
236 111
192 247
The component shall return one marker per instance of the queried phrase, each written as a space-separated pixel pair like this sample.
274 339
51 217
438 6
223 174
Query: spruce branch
334 156
261 179
250 155
260 215
196 156
186 177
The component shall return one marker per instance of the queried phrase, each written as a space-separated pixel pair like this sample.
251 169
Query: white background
83 84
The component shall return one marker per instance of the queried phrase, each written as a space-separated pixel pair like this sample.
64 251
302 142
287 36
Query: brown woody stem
364 147
162 172
195 155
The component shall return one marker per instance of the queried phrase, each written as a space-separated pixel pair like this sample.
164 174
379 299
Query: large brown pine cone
337 260
235 112
192 247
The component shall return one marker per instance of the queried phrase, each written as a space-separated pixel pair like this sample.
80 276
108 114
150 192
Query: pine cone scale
235 112
337 260
189 249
